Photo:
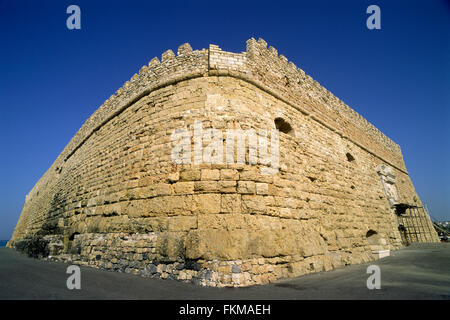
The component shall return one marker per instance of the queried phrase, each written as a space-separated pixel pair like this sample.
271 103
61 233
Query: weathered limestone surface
114 198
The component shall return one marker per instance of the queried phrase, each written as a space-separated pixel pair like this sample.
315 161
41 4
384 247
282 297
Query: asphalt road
418 272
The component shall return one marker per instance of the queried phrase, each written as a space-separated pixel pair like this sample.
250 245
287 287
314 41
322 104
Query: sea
3 243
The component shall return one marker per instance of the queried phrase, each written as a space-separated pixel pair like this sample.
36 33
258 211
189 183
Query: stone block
246 187
262 188
207 174
230 203
190 175
183 187
206 203
229 174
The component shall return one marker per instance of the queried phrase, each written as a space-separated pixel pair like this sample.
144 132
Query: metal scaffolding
414 224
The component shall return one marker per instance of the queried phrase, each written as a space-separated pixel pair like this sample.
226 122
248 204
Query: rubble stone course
114 199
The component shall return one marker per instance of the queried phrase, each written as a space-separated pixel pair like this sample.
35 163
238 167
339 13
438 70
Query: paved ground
417 272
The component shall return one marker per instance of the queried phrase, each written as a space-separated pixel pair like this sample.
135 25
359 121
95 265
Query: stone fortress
114 198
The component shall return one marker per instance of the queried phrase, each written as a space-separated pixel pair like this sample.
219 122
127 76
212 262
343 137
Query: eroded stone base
138 254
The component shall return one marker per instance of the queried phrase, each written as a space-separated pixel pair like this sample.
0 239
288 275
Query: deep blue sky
53 79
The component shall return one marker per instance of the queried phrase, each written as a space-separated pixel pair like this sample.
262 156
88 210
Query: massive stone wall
115 199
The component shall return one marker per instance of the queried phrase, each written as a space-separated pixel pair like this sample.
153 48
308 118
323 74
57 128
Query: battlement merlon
260 65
